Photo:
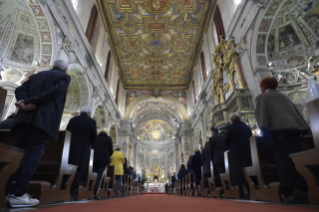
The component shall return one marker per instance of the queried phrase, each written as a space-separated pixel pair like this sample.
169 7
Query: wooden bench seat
191 184
52 178
215 189
112 183
268 187
103 192
230 191
10 158
86 191
204 187
307 162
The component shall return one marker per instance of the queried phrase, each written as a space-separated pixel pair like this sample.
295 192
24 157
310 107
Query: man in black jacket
84 133
217 148
41 102
103 150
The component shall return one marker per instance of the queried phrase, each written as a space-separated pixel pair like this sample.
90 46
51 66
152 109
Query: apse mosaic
155 131
155 40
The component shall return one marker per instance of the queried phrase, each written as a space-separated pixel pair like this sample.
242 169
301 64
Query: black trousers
76 182
220 168
283 146
33 140
100 170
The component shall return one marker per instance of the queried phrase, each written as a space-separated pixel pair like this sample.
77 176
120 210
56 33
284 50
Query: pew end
230 191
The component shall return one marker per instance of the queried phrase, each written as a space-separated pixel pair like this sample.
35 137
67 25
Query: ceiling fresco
155 131
156 41
287 33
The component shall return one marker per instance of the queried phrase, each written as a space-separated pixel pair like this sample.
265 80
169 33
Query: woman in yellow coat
117 159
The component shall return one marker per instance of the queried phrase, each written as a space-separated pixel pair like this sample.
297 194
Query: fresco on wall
272 8
265 25
179 95
100 117
312 19
13 76
23 50
287 38
155 131
295 60
261 43
249 36
301 99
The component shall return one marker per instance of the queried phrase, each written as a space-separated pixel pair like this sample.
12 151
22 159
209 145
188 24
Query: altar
155 187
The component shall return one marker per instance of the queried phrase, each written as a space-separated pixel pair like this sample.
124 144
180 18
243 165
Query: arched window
219 23
107 69
203 66
92 23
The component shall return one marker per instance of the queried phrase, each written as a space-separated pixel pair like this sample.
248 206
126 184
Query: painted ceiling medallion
157 6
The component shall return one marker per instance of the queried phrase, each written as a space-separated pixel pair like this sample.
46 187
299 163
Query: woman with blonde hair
103 150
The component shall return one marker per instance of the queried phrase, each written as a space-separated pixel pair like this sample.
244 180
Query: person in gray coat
283 126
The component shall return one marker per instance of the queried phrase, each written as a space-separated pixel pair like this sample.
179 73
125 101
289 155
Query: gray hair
86 109
60 64
117 147
234 117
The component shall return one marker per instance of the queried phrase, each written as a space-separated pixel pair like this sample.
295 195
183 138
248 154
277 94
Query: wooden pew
307 162
87 190
204 186
112 184
214 189
53 176
103 193
267 176
191 184
230 191
184 186
10 158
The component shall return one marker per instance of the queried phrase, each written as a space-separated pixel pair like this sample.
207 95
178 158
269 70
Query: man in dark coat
197 166
83 129
103 150
237 137
217 148
41 102
8 123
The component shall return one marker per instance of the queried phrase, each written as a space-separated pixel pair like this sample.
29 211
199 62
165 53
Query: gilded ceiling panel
156 42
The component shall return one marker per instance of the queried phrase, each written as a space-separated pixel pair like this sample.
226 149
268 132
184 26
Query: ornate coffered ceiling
156 42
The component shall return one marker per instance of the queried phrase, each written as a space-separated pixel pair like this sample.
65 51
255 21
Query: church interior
159 75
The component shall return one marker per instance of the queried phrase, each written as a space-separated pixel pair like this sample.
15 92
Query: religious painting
312 19
131 44
23 50
265 25
131 95
273 7
156 26
37 10
271 43
261 40
187 2
180 44
155 131
300 99
125 3
156 4
287 38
